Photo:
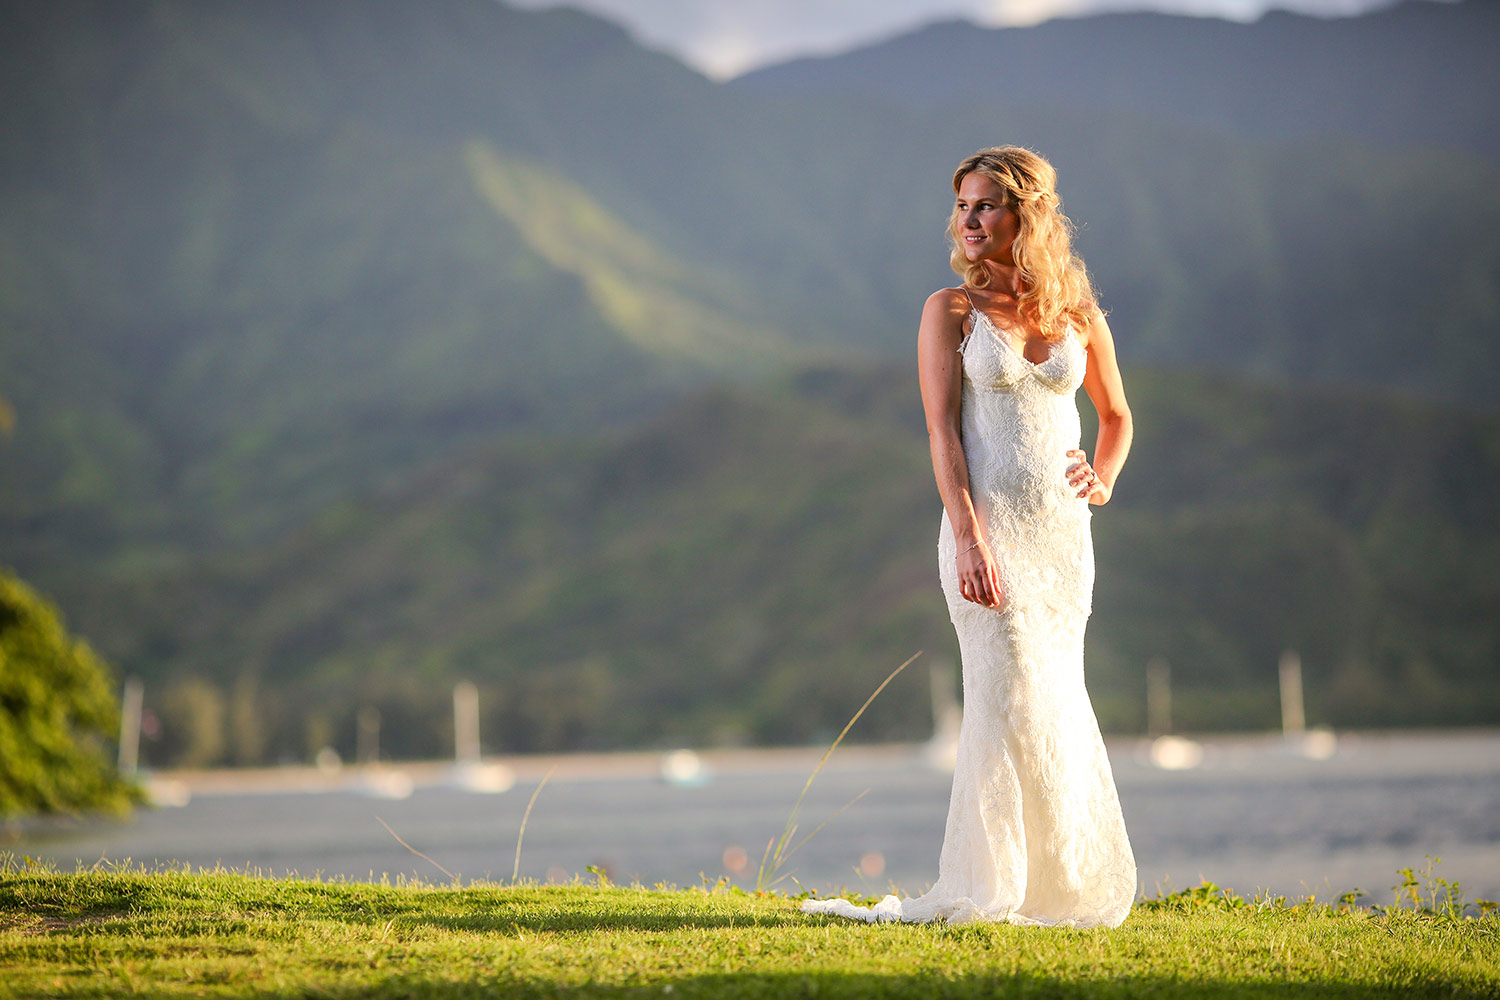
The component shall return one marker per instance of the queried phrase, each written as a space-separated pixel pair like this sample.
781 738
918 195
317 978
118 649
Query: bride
1034 833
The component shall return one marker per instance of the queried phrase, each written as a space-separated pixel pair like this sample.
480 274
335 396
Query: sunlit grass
116 931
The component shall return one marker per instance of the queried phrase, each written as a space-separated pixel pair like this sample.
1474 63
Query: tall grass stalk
418 853
777 851
515 872
837 813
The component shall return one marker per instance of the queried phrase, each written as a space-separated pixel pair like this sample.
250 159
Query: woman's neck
1004 277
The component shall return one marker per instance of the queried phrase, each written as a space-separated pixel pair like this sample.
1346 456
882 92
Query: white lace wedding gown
1034 834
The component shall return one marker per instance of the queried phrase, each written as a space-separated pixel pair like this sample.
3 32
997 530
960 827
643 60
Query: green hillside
256 279
359 345
748 567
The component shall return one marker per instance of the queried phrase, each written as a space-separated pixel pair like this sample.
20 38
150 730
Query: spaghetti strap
972 322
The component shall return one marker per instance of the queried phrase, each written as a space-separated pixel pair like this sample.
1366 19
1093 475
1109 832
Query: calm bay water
1252 815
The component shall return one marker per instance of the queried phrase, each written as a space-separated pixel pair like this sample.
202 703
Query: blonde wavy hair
1055 288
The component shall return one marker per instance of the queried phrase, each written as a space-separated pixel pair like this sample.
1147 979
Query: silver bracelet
971 547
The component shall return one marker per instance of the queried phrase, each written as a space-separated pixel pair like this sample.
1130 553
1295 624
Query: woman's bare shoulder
947 302
1095 329
944 311
950 299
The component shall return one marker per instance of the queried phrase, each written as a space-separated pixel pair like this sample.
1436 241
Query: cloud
723 55
1023 12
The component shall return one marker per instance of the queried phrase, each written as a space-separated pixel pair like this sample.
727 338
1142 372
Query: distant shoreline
637 764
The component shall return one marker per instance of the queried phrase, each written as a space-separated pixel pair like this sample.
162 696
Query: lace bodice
1019 418
994 364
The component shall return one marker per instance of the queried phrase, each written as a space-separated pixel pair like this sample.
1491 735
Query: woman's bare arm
1102 382
939 369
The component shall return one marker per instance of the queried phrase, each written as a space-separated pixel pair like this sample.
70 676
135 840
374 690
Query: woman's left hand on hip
1083 478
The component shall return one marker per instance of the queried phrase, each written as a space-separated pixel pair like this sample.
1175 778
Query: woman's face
986 227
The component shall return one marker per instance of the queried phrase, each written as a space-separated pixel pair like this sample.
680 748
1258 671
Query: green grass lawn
167 933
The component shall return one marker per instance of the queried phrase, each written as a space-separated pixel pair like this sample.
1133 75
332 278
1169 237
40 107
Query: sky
723 38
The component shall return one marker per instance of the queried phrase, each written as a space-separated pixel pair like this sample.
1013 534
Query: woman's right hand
979 576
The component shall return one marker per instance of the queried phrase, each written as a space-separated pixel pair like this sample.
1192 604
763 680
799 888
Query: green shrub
57 714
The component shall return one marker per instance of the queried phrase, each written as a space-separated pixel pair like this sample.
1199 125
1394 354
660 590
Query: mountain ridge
1418 72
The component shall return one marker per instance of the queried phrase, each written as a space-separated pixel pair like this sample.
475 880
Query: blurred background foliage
363 346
